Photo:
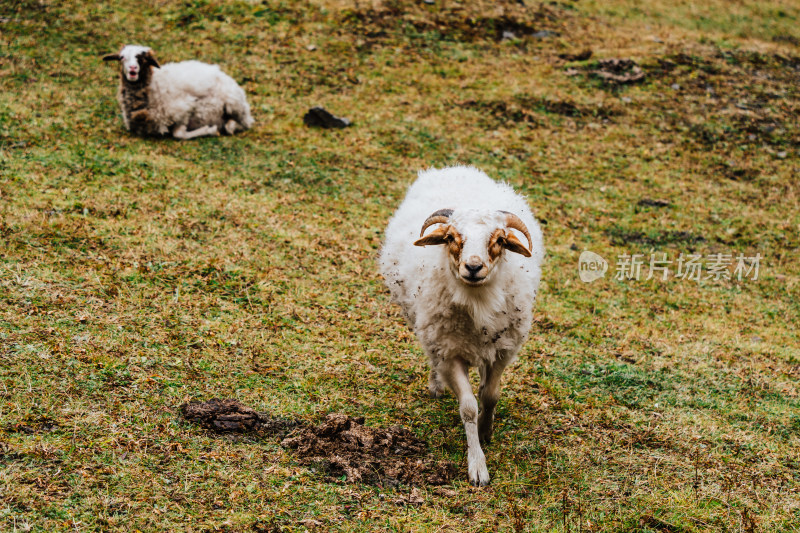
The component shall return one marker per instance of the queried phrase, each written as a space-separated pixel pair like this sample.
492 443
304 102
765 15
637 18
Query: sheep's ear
151 59
512 244
112 57
437 236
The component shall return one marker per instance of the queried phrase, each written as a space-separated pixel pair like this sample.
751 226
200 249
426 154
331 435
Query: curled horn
514 222
438 217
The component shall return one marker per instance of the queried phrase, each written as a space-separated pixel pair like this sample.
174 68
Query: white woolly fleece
451 318
196 90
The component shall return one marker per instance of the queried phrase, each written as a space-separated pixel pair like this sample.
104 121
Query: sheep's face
474 242
135 61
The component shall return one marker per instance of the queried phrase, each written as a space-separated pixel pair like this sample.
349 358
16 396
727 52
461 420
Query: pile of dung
344 446
233 416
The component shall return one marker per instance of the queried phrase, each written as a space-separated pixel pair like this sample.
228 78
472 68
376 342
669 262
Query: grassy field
137 274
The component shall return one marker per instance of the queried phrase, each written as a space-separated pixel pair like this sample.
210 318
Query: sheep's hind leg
181 133
489 393
455 373
435 388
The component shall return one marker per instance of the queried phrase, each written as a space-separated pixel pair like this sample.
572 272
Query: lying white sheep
185 100
467 288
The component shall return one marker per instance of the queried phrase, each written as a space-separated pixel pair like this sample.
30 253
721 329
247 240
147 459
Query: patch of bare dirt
583 55
534 111
738 171
653 202
723 97
712 97
460 22
344 446
499 112
652 522
233 416
33 424
618 71
622 236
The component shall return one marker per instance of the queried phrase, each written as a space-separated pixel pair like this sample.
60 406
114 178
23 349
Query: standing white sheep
467 288
185 100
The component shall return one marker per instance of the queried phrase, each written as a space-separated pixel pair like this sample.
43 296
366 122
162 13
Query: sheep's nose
473 266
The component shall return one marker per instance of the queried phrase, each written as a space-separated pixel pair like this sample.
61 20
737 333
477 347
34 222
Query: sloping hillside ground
137 275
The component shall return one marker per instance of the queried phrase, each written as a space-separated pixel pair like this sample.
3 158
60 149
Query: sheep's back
195 93
194 78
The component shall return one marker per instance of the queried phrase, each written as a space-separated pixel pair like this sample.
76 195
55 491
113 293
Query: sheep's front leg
181 133
489 393
140 117
455 373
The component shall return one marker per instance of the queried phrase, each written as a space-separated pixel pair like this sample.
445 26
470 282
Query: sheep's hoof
480 478
230 127
435 388
476 467
435 393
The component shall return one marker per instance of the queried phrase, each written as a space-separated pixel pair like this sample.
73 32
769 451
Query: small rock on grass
322 118
544 34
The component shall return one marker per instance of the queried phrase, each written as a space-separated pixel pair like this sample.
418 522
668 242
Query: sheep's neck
482 304
136 95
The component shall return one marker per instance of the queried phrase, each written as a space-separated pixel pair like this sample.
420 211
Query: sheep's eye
448 238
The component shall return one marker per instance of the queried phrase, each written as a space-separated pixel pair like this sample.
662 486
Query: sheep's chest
455 333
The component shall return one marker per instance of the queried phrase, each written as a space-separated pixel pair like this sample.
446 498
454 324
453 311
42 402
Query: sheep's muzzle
473 271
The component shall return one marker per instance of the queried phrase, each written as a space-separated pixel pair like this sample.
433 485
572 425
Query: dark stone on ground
321 118
650 202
